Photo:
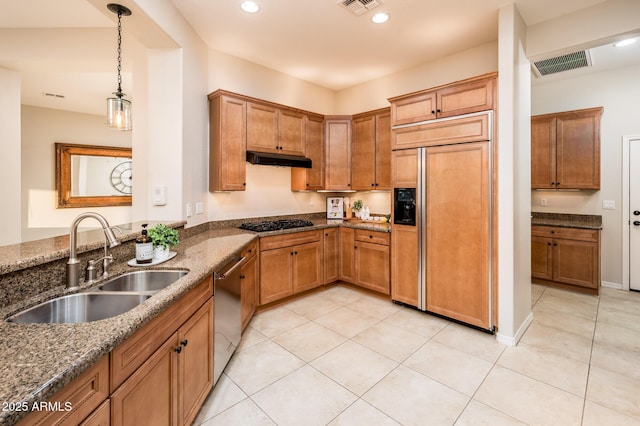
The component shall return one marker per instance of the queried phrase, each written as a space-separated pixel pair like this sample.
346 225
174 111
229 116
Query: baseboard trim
513 340
609 284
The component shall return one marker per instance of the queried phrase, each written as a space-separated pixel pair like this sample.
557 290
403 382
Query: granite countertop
45 357
564 220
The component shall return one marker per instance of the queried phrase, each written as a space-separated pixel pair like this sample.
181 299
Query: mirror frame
64 151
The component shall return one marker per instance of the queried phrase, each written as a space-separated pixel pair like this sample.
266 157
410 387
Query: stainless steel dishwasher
227 317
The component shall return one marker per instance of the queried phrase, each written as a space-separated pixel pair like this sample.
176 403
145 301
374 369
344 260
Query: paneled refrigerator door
455 225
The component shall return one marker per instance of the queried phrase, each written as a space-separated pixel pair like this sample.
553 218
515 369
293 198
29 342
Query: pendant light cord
119 92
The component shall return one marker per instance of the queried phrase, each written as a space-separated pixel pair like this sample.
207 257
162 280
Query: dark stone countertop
565 220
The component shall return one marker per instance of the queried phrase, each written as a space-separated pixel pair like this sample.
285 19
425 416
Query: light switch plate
189 210
159 195
608 205
199 208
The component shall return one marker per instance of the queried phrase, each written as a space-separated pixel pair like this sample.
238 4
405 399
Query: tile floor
342 357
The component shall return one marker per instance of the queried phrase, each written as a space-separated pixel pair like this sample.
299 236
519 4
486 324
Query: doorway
631 212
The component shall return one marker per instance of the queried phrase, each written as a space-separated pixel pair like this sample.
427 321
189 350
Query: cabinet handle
433 112
291 253
555 244
438 110
184 342
242 277
177 349
244 183
548 244
373 184
553 232
295 252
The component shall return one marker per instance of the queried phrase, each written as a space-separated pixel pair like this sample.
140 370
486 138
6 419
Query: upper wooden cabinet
371 150
565 150
313 178
275 129
338 153
227 142
462 97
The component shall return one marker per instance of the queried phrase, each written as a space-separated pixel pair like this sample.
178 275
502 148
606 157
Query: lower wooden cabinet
249 276
404 268
372 260
347 266
331 254
290 264
100 417
566 256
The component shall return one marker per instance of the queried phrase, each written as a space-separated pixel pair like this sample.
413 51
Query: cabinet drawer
250 250
84 394
133 352
374 237
590 235
287 240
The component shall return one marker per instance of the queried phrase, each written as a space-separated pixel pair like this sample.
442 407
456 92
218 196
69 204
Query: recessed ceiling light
625 42
250 6
380 18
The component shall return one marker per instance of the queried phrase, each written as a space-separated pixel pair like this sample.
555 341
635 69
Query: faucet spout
73 264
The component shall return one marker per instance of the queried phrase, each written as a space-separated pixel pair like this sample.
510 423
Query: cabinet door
331 255
100 417
347 248
363 153
195 363
338 154
383 151
249 298
227 144
291 129
404 264
457 232
576 263
276 279
149 396
543 152
372 266
313 178
542 258
465 98
578 150
404 168
262 128
413 109
307 266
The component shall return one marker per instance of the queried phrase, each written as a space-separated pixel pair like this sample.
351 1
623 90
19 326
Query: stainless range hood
271 159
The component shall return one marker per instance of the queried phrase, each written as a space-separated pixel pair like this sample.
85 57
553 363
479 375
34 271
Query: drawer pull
177 349
184 342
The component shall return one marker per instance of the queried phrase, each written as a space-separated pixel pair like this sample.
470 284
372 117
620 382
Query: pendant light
118 108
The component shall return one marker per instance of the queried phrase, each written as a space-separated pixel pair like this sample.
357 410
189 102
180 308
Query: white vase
160 253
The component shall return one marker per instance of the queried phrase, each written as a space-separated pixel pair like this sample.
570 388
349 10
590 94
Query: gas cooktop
275 225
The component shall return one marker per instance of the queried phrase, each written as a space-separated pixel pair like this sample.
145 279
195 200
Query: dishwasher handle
223 275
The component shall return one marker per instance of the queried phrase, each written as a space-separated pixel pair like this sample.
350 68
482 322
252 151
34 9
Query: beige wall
10 170
617 91
41 129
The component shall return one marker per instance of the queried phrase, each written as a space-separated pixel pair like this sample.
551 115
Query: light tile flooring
342 357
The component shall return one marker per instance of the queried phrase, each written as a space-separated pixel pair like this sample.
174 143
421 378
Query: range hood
271 159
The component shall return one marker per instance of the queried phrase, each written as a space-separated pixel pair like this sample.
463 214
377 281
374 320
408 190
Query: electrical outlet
543 202
199 208
189 210
608 205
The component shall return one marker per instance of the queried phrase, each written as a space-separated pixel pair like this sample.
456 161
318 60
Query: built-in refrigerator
442 229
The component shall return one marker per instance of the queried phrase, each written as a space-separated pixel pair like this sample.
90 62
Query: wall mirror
91 175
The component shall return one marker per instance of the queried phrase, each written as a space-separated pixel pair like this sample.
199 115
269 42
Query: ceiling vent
570 61
358 7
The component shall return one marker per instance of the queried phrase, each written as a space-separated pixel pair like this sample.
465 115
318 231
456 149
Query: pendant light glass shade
119 113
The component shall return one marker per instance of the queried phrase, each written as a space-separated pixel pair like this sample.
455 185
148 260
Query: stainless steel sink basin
80 307
149 281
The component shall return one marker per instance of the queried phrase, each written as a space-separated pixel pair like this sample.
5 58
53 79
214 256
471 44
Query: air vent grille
358 7
562 63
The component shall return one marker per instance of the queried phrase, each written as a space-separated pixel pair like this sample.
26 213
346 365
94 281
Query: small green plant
357 205
163 236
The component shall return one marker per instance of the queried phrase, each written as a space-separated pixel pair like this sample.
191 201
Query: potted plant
357 206
163 238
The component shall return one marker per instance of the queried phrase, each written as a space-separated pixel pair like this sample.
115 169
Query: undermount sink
80 307
148 281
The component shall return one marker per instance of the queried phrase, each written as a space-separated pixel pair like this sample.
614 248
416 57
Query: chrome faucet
73 264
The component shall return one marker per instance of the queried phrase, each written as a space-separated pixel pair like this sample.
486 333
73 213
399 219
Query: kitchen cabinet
271 128
372 260
347 265
227 142
290 264
405 251
331 243
462 97
337 153
567 257
370 150
163 373
249 275
311 179
82 395
565 150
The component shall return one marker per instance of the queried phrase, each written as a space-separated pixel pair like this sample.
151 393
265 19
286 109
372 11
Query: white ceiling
68 46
